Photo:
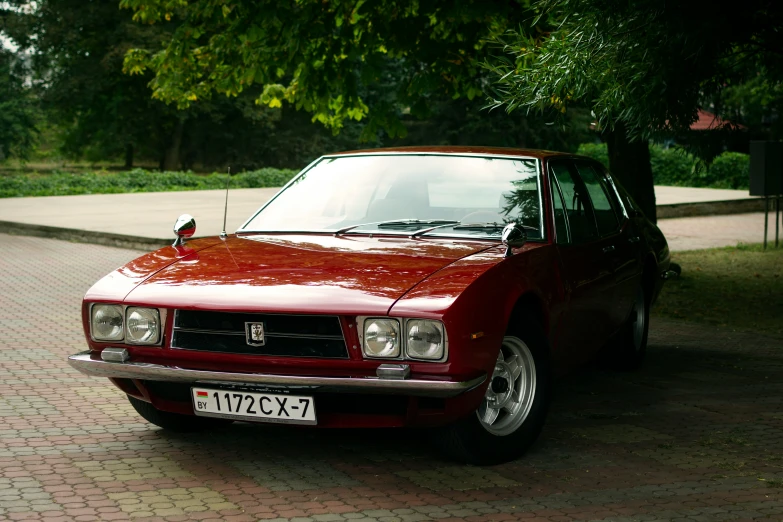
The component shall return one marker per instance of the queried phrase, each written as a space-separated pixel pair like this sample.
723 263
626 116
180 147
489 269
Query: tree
18 109
78 48
323 57
466 122
371 70
756 103
643 68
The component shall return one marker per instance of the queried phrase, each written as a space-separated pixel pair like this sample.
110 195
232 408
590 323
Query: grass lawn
740 287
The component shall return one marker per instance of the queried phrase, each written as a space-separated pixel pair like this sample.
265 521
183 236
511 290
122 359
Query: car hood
301 274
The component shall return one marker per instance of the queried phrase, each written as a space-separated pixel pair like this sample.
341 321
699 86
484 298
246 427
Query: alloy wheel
511 391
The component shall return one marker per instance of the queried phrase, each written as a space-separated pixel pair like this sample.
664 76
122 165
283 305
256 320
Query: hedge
136 180
674 166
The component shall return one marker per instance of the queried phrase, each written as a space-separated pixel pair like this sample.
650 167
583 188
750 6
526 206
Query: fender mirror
184 228
513 236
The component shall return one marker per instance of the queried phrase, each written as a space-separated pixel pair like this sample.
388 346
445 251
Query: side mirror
513 236
184 228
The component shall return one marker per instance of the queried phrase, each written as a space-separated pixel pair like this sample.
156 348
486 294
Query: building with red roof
709 121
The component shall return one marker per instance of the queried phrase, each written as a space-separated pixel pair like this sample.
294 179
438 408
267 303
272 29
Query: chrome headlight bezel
403 322
155 313
395 324
438 325
161 314
120 312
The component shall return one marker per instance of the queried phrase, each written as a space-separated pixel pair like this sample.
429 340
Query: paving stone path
696 435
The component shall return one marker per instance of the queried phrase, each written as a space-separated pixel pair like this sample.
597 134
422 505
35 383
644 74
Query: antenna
223 234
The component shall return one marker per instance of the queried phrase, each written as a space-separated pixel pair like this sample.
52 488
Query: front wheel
514 408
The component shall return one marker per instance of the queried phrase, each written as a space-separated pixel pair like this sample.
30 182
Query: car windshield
422 194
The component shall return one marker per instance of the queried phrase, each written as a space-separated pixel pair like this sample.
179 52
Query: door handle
608 249
634 239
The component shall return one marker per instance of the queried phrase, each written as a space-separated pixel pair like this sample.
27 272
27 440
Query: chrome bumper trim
115 355
393 371
156 372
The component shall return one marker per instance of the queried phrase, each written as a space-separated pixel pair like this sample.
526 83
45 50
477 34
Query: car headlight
142 325
425 339
381 338
106 322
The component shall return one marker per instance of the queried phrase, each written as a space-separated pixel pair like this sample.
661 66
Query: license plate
266 407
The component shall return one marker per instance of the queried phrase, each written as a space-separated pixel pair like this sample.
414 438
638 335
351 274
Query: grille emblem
254 334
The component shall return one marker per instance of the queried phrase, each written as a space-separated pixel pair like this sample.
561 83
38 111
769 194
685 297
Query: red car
433 287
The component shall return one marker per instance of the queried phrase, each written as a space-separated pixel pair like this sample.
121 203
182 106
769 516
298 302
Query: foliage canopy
645 64
324 57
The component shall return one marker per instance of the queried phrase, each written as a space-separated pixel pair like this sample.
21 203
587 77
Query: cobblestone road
696 435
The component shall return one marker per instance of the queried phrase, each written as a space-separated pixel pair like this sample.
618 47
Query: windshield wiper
401 223
490 226
418 223
480 226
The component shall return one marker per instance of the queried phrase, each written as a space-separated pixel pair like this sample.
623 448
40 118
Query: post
777 220
766 219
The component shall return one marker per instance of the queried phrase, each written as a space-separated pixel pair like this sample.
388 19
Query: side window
618 202
605 212
561 221
578 211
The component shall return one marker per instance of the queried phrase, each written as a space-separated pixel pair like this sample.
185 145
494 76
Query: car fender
475 298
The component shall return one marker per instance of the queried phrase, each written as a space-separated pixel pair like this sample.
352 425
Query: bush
136 180
730 170
674 166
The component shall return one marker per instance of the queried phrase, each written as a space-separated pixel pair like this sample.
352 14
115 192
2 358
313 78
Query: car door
618 243
587 275
630 255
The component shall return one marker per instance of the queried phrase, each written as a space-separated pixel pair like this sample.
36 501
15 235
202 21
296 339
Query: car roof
457 150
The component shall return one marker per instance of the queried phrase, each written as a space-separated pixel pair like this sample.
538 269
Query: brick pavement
696 435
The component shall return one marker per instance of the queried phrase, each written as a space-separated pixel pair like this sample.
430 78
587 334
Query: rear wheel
631 345
175 421
514 408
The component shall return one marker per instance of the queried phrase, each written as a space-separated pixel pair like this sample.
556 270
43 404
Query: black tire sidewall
626 356
468 440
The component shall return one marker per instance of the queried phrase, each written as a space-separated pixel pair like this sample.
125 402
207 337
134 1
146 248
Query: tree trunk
629 162
129 156
171 160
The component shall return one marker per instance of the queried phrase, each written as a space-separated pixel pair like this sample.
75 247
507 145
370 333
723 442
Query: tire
176 422
630 346
492 434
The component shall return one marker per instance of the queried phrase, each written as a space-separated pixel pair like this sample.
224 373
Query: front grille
284 335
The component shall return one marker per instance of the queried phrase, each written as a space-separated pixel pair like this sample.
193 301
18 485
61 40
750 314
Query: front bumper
156 372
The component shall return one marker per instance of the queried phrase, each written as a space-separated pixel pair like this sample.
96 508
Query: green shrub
264 178
136 180
674 166
730 170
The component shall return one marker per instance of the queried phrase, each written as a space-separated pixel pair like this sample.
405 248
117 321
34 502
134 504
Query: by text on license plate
267 407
